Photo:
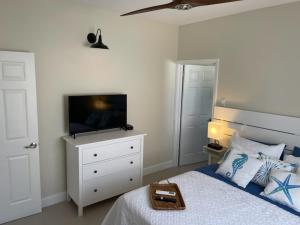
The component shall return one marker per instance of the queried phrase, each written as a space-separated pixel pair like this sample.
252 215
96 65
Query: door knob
32 145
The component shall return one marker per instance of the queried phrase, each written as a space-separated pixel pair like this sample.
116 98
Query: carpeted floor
65 213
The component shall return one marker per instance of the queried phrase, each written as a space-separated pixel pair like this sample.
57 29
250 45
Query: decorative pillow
284 187
247 145
293 160
262 176
239 167
265 143
296 152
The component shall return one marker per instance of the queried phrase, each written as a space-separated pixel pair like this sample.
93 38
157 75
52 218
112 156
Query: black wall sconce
92 38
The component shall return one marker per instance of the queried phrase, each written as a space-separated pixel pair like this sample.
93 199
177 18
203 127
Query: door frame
178 98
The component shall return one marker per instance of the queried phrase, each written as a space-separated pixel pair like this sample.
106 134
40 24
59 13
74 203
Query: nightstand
214 155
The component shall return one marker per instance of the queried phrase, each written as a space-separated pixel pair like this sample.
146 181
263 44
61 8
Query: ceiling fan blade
150 9
196 3
175 3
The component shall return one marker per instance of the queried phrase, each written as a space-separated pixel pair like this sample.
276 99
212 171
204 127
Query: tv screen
97 112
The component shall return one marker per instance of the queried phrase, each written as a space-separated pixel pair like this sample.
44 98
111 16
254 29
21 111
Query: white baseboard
158 167
54 199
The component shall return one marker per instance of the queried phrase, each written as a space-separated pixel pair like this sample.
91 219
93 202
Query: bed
211 199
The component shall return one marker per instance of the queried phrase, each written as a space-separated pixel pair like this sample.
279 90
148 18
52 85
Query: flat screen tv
97 112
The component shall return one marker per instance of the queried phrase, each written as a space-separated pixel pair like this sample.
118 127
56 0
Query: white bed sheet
208 202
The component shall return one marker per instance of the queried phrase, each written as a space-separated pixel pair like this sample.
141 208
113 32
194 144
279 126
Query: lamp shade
214 130
99 44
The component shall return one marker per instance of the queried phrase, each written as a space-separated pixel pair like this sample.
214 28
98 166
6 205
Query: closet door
197 100
20 193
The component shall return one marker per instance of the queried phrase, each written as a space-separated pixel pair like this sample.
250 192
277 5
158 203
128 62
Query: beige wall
140 63
259 54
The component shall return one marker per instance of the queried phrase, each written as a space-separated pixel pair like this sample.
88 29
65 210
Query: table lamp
215 133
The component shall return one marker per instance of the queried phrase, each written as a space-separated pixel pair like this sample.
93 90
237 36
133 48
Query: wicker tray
159 205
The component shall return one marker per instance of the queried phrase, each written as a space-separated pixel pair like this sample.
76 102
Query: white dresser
100 166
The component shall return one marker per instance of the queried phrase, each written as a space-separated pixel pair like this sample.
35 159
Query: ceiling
176 17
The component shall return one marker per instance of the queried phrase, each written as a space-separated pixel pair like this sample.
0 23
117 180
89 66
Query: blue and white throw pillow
254 147
262 176
284 187
239 167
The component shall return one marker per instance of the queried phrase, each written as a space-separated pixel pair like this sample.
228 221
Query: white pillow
293 160
284 187
239 167
247 145
269 163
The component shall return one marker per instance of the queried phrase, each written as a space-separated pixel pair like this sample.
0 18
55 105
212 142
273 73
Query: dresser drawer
99 169
110 151
95 190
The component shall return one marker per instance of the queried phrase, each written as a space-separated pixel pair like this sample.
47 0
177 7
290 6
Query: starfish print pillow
284 187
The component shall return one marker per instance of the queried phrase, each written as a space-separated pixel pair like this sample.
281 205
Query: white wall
259 54
140 63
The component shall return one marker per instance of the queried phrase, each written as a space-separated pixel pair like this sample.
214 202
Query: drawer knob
95 190
95 171
131 179
95 155
131 147
131 162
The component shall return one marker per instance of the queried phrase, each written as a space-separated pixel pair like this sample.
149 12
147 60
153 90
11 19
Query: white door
197 100
20 193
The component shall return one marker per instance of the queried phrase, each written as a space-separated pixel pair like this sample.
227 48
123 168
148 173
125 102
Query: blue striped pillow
262 176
